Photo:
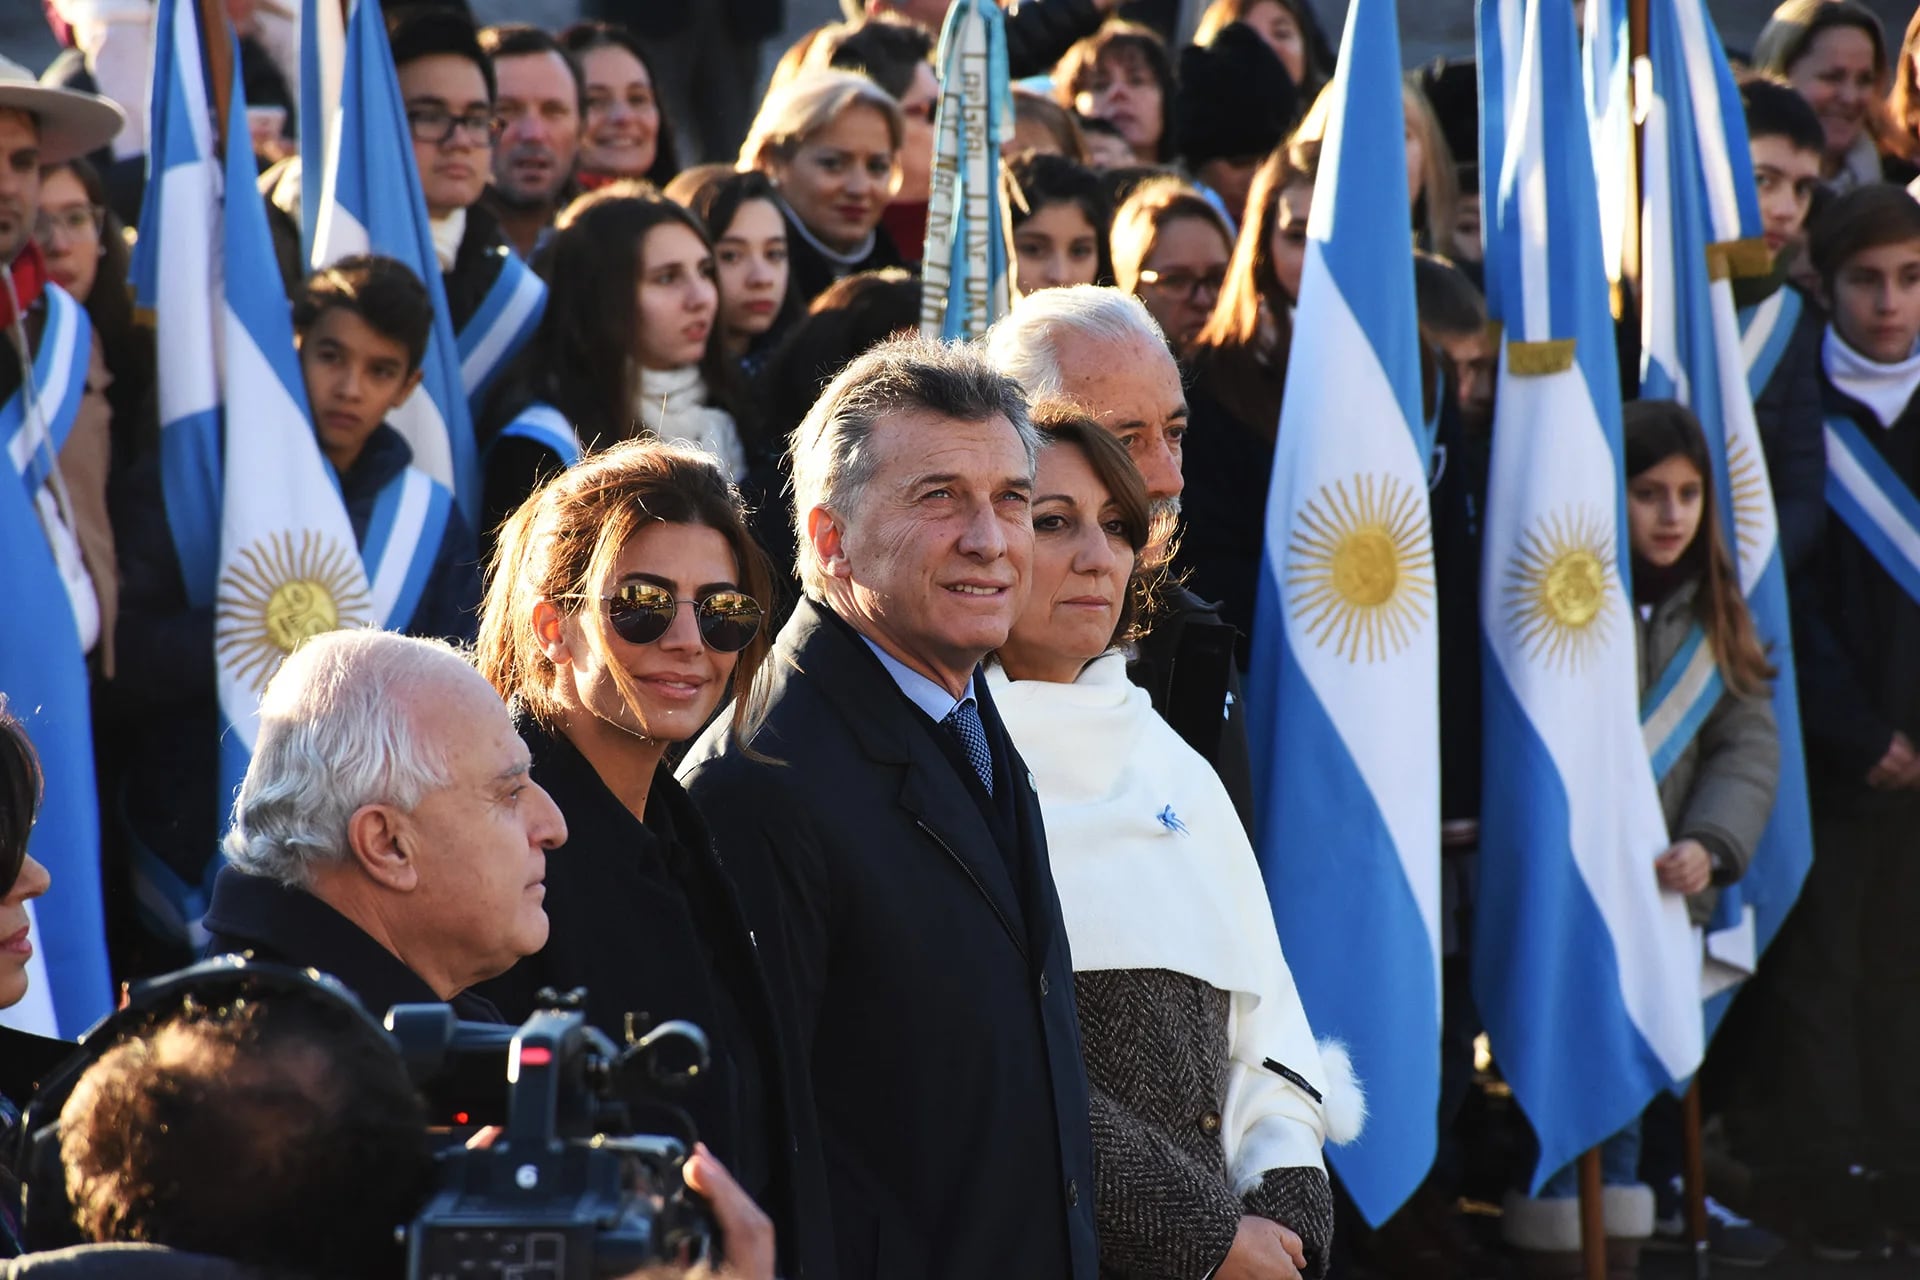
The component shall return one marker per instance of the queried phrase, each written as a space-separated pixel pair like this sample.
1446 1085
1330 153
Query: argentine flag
965 260
1343 712
1700 224
1583 969
323 54
1605 68
289 564
177 275
371 203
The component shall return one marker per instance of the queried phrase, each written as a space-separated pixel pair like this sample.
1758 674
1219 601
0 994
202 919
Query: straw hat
71 123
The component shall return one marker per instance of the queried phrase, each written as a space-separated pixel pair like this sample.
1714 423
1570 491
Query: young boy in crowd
362 333
1781 328
1829 1116
361 327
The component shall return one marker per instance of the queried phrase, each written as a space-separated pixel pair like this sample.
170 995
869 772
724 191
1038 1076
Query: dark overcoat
932 989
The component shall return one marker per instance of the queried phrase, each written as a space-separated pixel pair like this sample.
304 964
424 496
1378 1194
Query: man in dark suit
886 835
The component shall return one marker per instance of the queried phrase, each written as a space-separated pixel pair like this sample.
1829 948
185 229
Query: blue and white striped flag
323 56
1343 712
1584 970
289 564
965 265
176 275
372 203
1699 226
1606 70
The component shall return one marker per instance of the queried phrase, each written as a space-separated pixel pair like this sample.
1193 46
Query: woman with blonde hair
624 602
1431 183
1170 248
831 141
1834 54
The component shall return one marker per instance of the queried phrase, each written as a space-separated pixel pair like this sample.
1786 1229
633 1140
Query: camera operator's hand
746 1233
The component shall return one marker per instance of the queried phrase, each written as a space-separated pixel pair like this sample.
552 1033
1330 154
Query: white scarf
843 262
448 232
1154 871
672 403
1886 389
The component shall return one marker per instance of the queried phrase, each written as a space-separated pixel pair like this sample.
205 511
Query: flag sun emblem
1360 567
1558 587
1747 479
277 593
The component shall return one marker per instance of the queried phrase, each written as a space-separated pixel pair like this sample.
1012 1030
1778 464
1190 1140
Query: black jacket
643 916
165 691
1856 632
291 926
1040 31
932 986
1788 411
810 273
1227 467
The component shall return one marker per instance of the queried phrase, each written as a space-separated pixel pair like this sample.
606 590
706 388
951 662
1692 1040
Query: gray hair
830 457
1024 344
337 732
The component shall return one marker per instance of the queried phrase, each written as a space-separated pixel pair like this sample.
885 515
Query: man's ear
406 388
380 838
829 542
552 636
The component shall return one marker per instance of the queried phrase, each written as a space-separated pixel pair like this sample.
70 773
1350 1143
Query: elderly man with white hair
1100 349
388 831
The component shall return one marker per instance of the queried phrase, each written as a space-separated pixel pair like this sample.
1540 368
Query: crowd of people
874 703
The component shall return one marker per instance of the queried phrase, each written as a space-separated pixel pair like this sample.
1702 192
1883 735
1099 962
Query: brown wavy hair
562 543
1655 430
1150 532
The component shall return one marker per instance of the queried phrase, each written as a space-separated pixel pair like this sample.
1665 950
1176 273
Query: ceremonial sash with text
403 540
1874 502
502 325
545 425
60 375
1765 330
1680 701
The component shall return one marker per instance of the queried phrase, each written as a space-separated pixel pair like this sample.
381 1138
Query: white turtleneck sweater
672 404
1886 389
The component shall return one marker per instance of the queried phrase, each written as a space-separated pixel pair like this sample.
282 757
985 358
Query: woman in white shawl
1210 1098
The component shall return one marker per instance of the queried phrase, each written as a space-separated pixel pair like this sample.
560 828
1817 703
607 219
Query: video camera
567 1191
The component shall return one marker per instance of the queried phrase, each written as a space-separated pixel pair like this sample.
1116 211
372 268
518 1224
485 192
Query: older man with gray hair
886 832
387 832
1100 349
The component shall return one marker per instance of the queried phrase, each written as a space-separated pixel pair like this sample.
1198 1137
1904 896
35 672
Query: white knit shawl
1154 871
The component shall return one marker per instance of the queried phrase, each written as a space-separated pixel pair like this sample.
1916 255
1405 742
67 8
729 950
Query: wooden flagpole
216 41
1593 1221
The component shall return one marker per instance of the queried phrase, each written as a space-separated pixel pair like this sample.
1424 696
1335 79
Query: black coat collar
253 913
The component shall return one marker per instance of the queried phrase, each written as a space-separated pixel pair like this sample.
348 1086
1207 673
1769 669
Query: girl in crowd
742 215
1431 182
1837 1001
1170 247
1042 125
624 602
1716 788
86 251
1122 74
1239 368
1289 29
1060 217
628 344
624 133
1184 995
21 880
894 54
831 141
1834 54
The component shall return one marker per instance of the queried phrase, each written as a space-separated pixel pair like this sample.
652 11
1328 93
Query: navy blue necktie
963 722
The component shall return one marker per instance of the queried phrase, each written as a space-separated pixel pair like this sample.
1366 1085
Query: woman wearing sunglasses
624 600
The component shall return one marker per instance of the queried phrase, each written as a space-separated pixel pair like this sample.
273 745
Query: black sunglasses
640 613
